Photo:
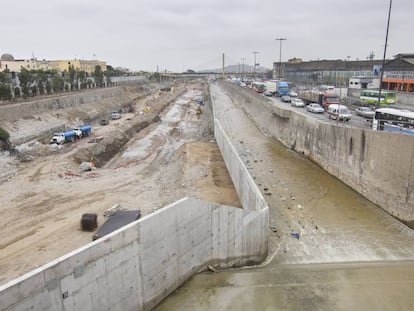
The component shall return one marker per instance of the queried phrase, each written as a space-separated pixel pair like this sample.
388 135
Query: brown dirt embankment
30 120
111 144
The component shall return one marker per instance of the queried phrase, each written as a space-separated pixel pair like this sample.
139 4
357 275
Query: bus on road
394 120
371 97
259 87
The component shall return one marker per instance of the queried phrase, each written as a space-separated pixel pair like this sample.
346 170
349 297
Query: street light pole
280 55
243 58
383 58
254 68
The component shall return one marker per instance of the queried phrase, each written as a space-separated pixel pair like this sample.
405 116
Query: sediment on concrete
137 266
378 165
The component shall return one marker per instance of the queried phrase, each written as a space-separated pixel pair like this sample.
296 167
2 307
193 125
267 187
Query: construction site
223 178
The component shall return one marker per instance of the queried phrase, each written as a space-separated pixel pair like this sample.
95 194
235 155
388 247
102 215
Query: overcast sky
189 34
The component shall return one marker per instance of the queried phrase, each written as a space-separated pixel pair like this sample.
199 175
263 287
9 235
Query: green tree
41 81
82 76
58 84
4 139
26 79
4 135
72 77
5 87
17 91
98 75
112 72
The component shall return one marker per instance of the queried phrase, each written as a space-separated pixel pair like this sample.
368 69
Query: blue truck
63 137
282 88
71 135
83 130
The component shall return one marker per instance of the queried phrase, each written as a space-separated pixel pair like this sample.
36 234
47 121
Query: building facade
398 72
83 65
331 72
7 62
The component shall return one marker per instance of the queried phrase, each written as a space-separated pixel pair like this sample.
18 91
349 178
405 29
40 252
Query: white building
364 83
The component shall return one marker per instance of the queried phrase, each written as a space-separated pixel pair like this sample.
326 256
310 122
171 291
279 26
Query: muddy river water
329 247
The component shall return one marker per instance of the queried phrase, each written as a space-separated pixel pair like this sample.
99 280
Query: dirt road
44 197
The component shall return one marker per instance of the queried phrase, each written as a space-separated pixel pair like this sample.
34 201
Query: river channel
328 245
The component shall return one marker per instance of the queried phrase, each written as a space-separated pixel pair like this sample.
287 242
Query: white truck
271 86
63 137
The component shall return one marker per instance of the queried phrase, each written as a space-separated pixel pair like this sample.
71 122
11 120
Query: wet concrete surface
329 248
376 286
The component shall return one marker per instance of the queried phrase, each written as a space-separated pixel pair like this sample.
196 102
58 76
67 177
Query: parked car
339 112
293 94
365 112
199 100
115 115
285 99
315 108
267 93
297 102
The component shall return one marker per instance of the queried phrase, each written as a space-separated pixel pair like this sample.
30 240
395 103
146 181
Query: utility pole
223 67
254 68
158 74
383 58
280 55
243 58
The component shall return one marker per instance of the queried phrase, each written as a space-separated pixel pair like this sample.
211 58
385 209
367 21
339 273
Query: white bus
394 120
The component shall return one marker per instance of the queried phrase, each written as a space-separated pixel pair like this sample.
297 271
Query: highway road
356 121
329 248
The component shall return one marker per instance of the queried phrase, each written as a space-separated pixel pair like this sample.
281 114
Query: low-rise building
7 62
398 72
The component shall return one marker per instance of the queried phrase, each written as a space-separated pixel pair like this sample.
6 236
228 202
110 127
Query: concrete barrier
379 165
137 266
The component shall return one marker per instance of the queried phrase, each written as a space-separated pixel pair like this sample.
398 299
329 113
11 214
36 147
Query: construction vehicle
63 137
83 130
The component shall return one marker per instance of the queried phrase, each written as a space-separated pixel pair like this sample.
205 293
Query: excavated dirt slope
146 160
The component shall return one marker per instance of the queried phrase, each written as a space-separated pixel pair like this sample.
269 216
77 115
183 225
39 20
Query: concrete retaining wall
379 165
27 109
137 266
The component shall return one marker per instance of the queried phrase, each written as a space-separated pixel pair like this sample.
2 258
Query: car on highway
285 99
365 112
339 112
315 108
297 102
293 94
268 93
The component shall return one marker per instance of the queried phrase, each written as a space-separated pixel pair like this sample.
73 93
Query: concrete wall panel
137 266
379 165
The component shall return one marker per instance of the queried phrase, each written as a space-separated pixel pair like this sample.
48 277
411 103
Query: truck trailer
63 137
324 99
282 88
271 86
83 130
